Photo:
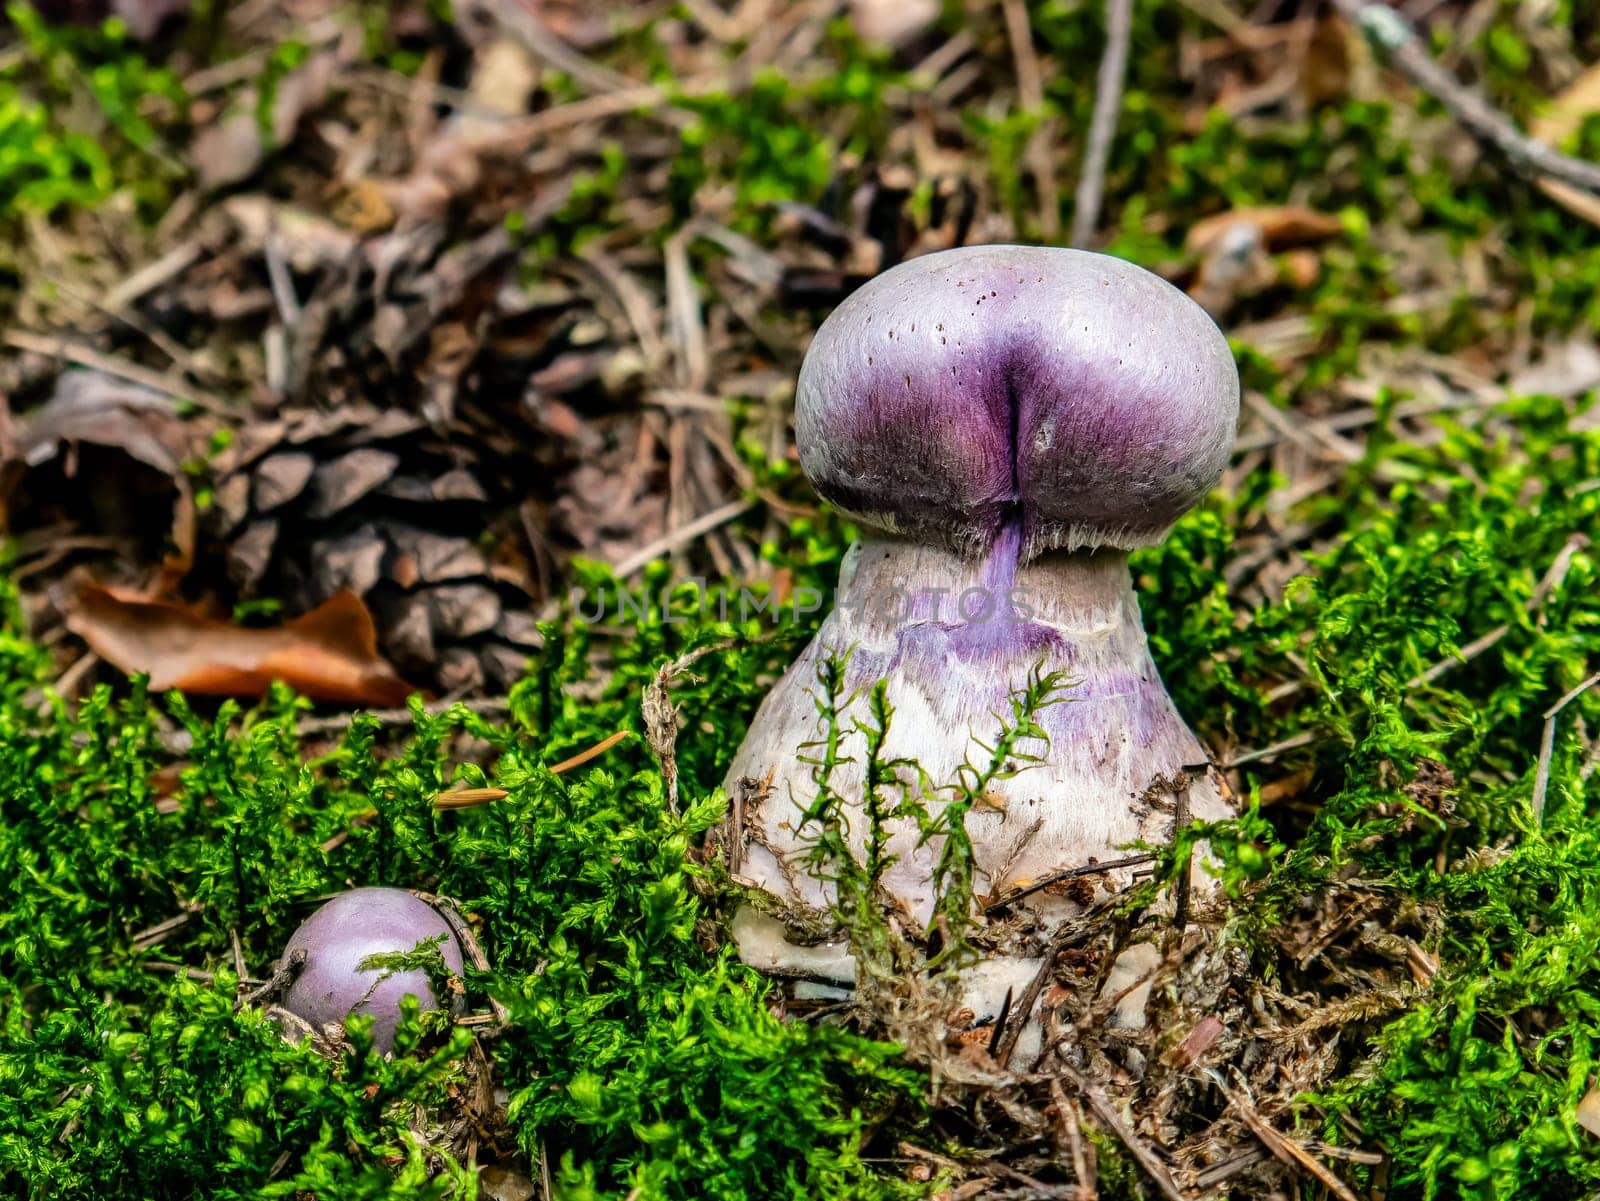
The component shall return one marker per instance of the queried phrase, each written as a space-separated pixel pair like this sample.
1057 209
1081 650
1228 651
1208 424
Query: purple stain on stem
1079 395
1005 422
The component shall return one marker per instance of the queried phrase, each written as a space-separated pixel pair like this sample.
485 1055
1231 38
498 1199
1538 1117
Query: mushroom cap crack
1073 393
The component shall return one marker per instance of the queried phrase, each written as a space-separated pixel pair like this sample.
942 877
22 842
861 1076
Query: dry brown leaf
1282 227
330 654
92 407
1287 788
232 149
1588 1112
1236 250
1565 116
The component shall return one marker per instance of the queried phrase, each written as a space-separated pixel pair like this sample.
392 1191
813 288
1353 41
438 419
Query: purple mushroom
1004 423
331 985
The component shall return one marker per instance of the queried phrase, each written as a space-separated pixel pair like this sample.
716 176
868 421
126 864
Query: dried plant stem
1553 579
1293 742
488 706
1395 40
1106 1110
1030 93
1107 106
1286 1150
1071 873
677 539
86 356
468 798
1180 885
1547 745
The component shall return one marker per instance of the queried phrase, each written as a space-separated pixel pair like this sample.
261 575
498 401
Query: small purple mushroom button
331 985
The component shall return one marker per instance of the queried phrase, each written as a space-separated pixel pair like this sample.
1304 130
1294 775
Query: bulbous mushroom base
956 638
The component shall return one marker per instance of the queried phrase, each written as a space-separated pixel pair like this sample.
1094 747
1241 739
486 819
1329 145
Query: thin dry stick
1547 745
993 1167
488 706
153 936
1366 415
1072 1119
1293 742
675 539
1180 886
86 356
467 798
1285 1149
1107 107
1370 1158
152 275
1229 1168
1106 1111
277 984
1030 93
1554 577
521 19
1004 1042
1071 873
162 341
1390 34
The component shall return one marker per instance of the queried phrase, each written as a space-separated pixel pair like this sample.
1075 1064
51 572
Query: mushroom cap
1074 393
350 927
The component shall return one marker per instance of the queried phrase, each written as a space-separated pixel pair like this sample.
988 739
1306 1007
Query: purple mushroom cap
336 938
1071 395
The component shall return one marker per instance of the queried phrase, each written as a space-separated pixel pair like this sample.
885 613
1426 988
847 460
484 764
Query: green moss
78 119
636 1055
639 1056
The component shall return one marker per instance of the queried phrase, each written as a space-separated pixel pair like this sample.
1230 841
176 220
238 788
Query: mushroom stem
1003 422
955 637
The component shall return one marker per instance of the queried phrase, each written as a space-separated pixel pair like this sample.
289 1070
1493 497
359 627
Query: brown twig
1030 95
471 948
1106 1111
1005 1043
277 984
1293 742
1554 577
488 706
238 953
1285 1149
1180 886
1103 126
87 356
152 275
521 19
994 1167
1072 1121
1389 33
153 936
676 539
467 798
1071 873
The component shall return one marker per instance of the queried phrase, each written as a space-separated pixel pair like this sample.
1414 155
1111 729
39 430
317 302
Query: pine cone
449 509
366 499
